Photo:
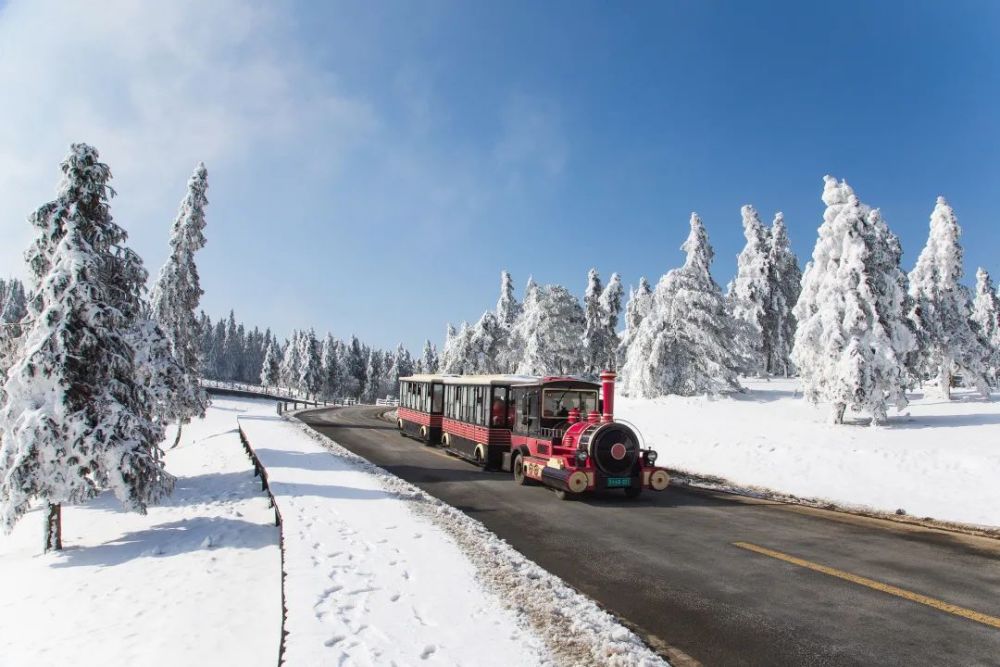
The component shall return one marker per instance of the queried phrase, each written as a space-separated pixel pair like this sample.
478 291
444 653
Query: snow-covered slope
197 581
937 459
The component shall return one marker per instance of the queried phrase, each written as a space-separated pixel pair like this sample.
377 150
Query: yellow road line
976 616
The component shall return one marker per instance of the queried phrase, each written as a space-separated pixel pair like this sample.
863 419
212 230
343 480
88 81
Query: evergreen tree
507 305
373 373
77 417
288 369
595 333
986 318
429 358
402 366
553 324
611 307
310 378
175 299
940 309
13 308
785 284
684 343
852 338
451 362
485 340
269 373
640 301
356 364
513 357
749 295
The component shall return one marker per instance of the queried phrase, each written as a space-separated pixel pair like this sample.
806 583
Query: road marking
940 605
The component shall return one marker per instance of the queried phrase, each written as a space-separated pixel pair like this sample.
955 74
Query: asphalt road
669 564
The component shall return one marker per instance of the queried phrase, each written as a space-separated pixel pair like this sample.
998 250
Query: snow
936 459
195 581
378 572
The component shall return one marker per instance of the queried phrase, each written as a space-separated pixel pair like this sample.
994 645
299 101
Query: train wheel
519 475
634 491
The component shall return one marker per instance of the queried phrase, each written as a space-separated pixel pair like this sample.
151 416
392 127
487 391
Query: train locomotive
557 431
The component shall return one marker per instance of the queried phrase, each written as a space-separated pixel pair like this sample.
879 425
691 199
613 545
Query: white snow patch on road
937 459
196 581
387 572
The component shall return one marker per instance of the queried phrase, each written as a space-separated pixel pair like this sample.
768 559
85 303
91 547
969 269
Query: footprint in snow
428 651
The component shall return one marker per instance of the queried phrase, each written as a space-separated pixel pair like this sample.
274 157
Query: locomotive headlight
581 457
651 457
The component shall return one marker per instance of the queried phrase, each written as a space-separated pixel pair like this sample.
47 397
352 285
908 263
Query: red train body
557 431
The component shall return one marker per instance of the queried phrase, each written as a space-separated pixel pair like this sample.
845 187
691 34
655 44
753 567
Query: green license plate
619 482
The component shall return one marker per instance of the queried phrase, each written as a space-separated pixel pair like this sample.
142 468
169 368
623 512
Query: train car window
437 398
532 410
499 417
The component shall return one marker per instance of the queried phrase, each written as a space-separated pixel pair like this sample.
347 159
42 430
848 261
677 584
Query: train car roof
513 380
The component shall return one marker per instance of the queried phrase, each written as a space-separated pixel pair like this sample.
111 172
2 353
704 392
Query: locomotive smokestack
608 395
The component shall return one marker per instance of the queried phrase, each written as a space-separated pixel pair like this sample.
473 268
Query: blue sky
373 166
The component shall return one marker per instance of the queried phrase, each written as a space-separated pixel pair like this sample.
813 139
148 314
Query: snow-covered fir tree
77 417
596 338
552 325
785 284
507 305
373 375
750 294
986 318
310 377
940 313
175 300
288 369
485 341
611 308
13 308
852 338
269 372
402 366
683 345
355 365
640 301
428 358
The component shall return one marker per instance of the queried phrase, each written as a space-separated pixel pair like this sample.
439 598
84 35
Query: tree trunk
838 413
177 440
53 527
944 380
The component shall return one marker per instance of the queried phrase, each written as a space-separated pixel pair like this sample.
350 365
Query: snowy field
936 459
194 582
378 572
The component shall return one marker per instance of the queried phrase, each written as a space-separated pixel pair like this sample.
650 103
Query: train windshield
557 403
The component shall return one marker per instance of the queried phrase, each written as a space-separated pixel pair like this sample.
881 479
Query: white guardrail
390 402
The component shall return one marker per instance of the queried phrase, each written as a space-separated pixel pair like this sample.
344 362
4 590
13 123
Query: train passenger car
564 435
421 402
477 417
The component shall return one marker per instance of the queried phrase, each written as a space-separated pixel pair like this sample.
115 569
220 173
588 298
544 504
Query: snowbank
937 459
378 572
195 581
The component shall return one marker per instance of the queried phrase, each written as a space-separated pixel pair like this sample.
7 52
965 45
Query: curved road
725 580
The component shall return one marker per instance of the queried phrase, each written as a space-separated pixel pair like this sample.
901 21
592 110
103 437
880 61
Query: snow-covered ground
196 581
936 459
378 572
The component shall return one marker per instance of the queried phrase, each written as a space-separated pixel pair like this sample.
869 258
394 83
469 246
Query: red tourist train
559 431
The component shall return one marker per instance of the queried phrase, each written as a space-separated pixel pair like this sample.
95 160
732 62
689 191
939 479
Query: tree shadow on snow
944 421
170 539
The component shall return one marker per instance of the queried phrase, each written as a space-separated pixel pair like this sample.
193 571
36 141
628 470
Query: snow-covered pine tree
507 305
13 308
76 418
485 341
429 358
448 351
373 374
986 317
749 295
527 318
461 355
940 308
595 339
329 363
288 369
402 366
553 327
175 299
684 343
611 307
269 372
640 300
356 362
310 377
852 338
785 284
